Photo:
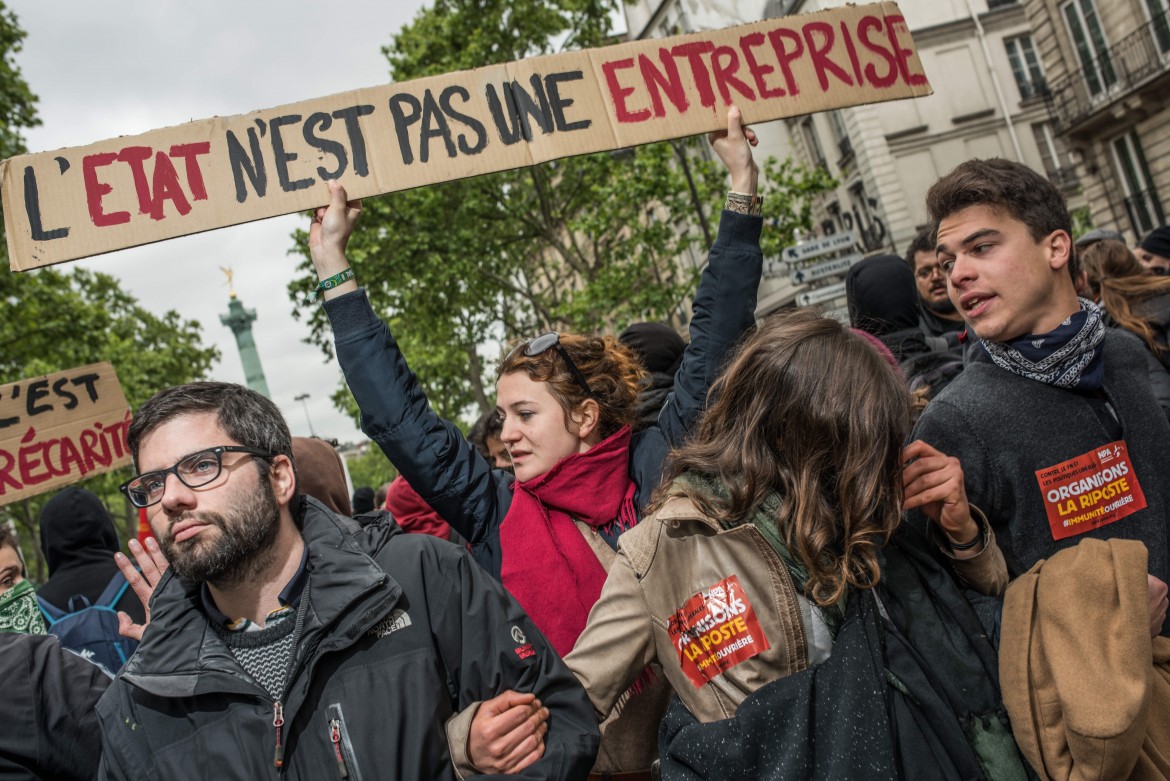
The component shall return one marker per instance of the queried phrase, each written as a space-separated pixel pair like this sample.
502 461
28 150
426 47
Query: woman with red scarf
567 404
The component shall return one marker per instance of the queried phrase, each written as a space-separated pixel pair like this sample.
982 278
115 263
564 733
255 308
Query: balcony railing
1145 211
1135 60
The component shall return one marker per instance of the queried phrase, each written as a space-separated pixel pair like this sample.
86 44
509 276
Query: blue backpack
92 630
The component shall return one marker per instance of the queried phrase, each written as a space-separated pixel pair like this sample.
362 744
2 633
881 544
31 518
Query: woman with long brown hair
1133 298
778 507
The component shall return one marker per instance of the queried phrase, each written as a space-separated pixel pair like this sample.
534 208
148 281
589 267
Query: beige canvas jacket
716 608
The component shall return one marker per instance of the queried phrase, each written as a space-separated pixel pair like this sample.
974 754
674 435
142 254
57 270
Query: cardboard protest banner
60 428
82 201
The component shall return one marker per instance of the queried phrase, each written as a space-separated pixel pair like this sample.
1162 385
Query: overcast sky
110 68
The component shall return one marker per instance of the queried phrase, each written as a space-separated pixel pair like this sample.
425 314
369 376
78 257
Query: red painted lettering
166 187
852 50
725 74
135 156
95 190
820 55
618 93
31 458
90 438
657 83
867 25
776 38
902 55
694 53
7 462
189 152
70 459
758 71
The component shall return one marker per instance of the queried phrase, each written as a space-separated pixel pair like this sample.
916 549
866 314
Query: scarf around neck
20 612
548 566
1067 357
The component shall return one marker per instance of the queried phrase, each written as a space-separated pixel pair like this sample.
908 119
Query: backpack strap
51 612
113 590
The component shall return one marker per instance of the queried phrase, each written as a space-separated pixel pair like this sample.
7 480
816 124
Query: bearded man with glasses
938 316
285 639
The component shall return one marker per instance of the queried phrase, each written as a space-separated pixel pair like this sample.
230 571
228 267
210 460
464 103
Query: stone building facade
1107 71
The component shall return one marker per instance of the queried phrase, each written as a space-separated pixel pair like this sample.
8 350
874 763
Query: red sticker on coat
715 630
1090 491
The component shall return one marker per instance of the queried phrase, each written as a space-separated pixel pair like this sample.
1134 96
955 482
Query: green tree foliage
370 468
18 105
77 318
57 321
588 243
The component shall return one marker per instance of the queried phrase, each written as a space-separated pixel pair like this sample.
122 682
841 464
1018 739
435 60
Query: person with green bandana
18 598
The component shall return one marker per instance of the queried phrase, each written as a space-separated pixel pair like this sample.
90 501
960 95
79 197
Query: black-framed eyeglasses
551 340
926 272
193 471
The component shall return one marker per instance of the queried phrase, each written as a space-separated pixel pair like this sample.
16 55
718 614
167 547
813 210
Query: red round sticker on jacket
715 630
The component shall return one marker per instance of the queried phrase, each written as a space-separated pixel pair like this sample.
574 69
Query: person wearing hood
79 541
883 302
660 350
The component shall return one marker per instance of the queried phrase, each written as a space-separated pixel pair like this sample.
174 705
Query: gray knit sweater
1004 428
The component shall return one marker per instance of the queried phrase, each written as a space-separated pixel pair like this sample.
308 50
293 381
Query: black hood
658 346
75 529
881 295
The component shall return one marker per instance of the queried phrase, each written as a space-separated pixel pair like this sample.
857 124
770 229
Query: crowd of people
928 543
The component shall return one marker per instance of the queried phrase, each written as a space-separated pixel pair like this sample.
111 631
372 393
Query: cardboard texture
61 428
82 201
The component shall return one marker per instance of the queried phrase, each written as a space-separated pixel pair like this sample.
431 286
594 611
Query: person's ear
1059 247
587 418
283 478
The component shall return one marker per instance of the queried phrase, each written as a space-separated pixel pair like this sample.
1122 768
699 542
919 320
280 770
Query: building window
812 143
841 135
1159 11
1084 26
1025 66
1141 200
1057 167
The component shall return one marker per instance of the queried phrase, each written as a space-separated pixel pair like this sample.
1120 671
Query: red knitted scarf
547 564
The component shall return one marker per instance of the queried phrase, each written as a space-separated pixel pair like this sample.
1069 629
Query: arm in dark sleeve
723 311
431 453
53 693
944 426
490 645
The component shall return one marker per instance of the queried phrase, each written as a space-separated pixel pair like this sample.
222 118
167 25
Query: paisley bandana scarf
1068 357
19 611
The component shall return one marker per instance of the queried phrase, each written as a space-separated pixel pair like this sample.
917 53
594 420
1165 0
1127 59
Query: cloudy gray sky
110 68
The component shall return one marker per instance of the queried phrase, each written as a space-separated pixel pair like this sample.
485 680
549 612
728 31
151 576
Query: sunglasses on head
552 341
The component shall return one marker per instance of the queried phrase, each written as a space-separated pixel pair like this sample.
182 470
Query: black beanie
658 346
1157 242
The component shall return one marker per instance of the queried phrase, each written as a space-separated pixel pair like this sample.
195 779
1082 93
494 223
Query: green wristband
328 284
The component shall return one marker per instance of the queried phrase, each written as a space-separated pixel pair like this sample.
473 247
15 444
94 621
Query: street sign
817 247
800 276
821 294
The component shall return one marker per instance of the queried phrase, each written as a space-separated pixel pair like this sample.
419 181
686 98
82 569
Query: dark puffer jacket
401 631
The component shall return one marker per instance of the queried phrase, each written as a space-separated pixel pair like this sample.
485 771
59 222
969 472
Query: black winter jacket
401 631
452 476
49 727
